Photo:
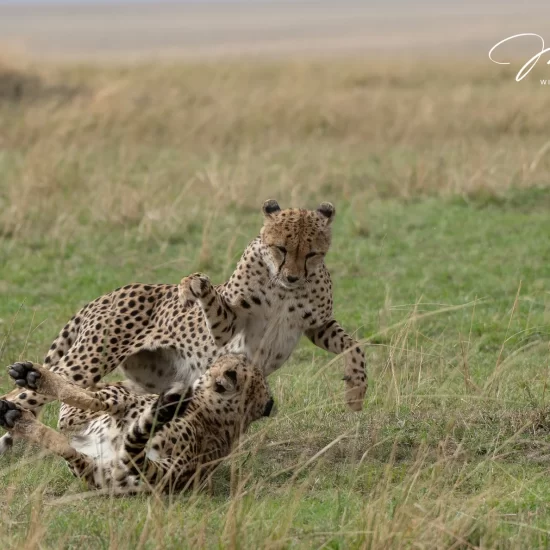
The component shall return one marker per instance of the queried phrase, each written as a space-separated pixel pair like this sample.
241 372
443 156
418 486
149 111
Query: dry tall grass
79 145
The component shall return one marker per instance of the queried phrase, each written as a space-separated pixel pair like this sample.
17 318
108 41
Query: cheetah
163 442
164 334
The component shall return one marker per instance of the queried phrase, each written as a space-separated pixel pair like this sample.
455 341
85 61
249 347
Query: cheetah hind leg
49 384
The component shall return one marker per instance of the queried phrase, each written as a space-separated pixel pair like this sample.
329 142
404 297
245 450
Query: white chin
290 286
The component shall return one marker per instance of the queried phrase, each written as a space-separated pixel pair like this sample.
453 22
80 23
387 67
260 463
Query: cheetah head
295 241
236 389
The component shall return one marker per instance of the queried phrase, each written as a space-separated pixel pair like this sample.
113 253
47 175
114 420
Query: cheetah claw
10 413
24 374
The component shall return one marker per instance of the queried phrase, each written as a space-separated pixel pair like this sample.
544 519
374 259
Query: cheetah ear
226 382
270 207
232 375
327 211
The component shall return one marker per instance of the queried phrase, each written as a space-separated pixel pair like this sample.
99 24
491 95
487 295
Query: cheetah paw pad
10 413
24 375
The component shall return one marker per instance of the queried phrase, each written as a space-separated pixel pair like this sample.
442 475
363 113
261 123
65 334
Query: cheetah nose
292 279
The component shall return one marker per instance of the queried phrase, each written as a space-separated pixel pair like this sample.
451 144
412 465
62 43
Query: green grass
450 288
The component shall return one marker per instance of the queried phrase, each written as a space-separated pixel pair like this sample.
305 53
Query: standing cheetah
163 442
162 334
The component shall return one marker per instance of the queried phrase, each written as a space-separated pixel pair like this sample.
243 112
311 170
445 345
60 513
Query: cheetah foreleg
332 337
22 423
220 316
168 406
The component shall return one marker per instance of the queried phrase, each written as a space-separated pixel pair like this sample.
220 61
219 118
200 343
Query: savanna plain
441 266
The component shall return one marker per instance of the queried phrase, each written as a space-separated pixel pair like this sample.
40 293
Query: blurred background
101 29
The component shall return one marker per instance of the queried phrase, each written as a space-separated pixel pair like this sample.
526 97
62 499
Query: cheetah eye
219 388
282 249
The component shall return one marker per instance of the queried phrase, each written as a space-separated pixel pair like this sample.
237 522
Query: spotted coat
132 441
162 334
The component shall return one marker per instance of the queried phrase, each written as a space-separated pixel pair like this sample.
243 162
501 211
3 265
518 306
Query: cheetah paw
355 394
194 288
25 375
10 413
6 443
172 403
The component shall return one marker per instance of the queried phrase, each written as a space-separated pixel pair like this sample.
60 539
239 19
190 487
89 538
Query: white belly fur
96 440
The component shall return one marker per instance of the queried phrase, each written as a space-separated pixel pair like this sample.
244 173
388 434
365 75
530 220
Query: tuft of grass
440 180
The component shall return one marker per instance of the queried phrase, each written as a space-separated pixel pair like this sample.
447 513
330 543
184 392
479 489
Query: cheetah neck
271 318
206 425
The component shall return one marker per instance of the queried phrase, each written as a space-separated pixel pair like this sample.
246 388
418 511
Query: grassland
440 176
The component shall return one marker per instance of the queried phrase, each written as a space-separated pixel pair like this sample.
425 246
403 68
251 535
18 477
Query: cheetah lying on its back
161 441
161 335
